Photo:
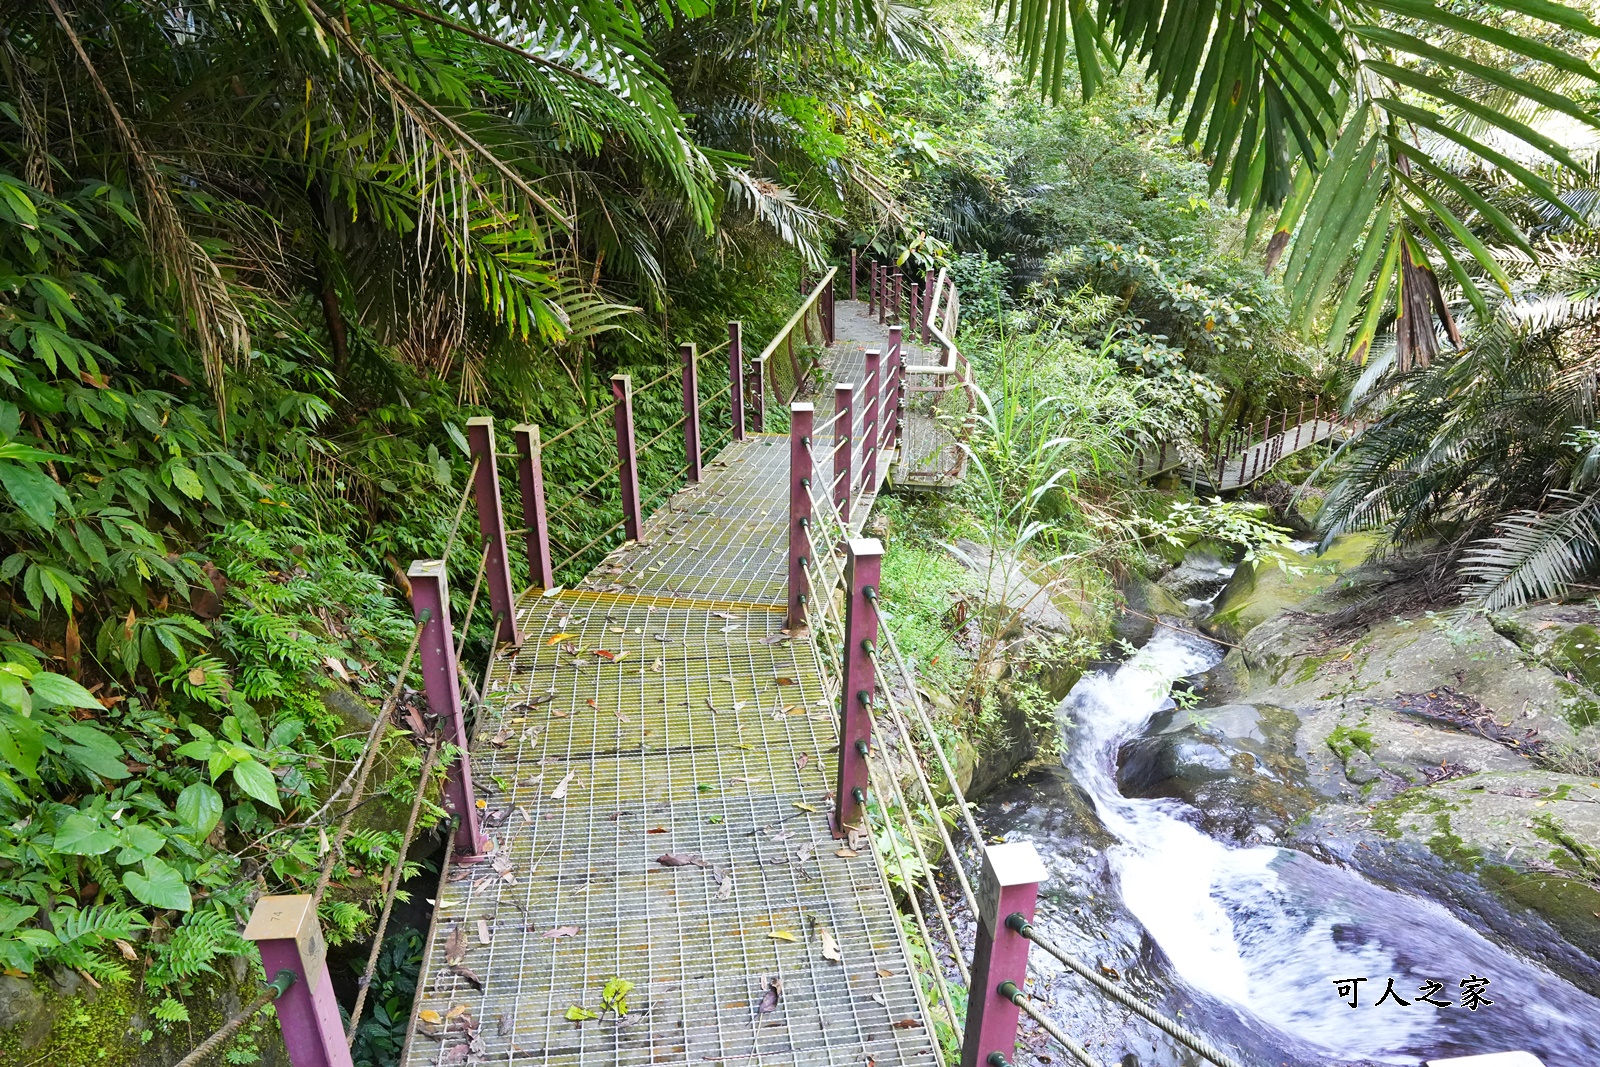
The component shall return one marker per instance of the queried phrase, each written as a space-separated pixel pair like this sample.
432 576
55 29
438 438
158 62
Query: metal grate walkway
654 767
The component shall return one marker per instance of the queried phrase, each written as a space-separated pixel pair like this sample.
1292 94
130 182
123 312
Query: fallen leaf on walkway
907 1024
775 639
785 681
619 629
680 859
461 970
830 946
662 637
769 999
723 615
501 736
885 974
579 1014
744 781
591 703
728 629
428 1015
881 999
802 761
658 665
793 709
559 713
620 656
805 807
656 830
560 792
603 653
562 931
725 890
558 638
846 853
455 948
483 932
782 935
554 590
783 836
458 1054
504 1027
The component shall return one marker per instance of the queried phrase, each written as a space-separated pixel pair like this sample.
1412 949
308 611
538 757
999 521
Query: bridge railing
782 376
887 799
1246 453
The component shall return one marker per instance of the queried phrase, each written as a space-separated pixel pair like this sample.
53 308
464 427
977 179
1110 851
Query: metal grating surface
704 732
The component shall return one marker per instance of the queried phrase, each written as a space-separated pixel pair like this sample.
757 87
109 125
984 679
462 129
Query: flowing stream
1263 932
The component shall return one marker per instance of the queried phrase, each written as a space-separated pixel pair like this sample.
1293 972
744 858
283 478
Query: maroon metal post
852 274
759 399
928 310
883 293
430 603
290 938
535 523
801 419
691 410
1008 887
736 376
829 331
894 390
627 455
843 401
899 288
861 570
871 405
872 287
492 526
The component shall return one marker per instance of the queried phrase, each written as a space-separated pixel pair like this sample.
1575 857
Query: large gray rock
22 1007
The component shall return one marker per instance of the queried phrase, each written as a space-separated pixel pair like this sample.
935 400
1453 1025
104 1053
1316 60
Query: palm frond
1534 555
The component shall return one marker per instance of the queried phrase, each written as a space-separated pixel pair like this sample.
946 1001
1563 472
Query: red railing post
691 410
870 407
289 936
899 287
492 526
1008 886
627 455
895 392
852 274
843 401
441 680
801 419
758 401
928 310
828 328
883 293
736 382
861 571
872 287
536 524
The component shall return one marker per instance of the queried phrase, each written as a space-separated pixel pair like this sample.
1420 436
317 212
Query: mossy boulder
1283 579
70 1023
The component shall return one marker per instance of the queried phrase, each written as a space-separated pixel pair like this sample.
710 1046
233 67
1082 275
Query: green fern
170 1010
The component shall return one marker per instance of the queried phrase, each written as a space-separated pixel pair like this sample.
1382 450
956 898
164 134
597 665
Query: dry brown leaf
459 1009
560 792
461 970
725 890
680 859
802 761
771 996
907 1024
847 853
830 945
658 665
455 948
126 949
885 974
656 830
562 931
483 932
428 1015
559 713
785 681
558 638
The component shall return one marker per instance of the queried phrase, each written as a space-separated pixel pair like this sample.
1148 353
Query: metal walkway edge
654 767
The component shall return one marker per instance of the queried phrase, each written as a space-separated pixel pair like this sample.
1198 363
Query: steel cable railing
1010 991
916 908
1167 1025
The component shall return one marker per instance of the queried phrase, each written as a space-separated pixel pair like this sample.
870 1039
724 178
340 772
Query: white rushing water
1268 930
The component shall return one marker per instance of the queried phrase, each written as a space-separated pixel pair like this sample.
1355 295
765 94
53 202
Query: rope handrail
276 988
673 426
1010 991
595 414
794 320
818 430
395 878
1167 1025
602 535
922 858
916 908
578 494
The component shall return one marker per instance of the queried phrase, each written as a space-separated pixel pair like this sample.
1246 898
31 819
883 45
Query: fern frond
1534 555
